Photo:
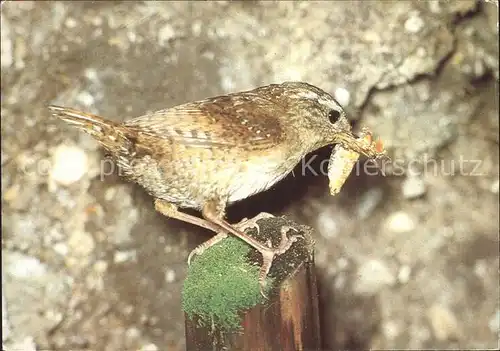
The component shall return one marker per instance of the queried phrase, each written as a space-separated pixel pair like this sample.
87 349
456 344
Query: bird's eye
333 116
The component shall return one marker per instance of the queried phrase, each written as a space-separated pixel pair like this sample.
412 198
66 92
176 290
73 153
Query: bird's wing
236 120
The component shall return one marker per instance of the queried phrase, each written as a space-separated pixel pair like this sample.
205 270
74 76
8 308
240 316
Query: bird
210 153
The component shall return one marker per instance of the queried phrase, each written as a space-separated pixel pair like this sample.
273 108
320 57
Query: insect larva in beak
341 163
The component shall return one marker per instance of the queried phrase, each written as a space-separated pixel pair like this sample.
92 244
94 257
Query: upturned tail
113 137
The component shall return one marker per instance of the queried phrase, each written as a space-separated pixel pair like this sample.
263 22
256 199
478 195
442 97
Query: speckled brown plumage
210 153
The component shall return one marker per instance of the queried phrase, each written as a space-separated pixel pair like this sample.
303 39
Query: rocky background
405 260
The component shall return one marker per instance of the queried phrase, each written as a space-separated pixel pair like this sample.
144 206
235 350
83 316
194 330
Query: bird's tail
112 136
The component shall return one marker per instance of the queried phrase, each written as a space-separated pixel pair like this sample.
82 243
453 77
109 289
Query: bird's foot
270 253
204 246
251 223
243 225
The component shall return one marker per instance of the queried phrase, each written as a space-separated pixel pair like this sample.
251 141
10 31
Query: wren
208 154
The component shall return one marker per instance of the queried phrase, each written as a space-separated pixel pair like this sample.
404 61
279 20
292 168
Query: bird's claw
269 255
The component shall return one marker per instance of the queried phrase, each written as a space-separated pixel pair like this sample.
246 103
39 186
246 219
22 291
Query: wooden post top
223 306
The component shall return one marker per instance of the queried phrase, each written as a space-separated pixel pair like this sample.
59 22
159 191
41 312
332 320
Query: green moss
220 284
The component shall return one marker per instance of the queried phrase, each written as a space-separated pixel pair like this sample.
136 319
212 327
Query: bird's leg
170 210
243 225
213 211
214 214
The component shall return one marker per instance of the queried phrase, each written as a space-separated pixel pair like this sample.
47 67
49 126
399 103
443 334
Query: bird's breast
258 175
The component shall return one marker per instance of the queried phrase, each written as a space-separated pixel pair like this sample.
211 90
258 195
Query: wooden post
287 321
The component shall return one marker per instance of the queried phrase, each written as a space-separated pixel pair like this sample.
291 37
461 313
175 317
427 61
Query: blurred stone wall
406 260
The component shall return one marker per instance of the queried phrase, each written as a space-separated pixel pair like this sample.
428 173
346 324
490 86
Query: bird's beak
363 145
